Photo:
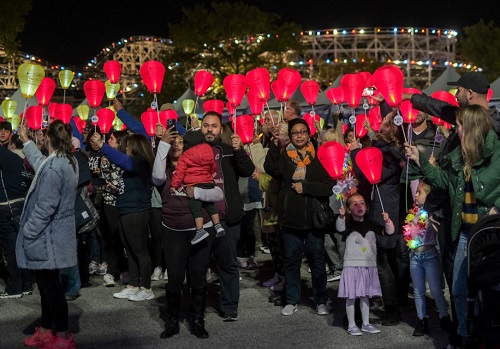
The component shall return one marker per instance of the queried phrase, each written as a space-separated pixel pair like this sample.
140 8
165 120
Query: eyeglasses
302 133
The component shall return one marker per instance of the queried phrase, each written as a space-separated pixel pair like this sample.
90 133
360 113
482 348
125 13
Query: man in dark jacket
232 162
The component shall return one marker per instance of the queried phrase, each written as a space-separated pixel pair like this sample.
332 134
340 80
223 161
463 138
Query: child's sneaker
38 338
219 231
200 235
60 343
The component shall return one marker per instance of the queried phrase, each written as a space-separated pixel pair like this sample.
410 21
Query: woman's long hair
138 145
476 123
121 139
59 135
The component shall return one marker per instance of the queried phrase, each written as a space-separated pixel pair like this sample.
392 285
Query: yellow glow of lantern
65 78
188 106
15 120
111 90
83 111
30 76
9 108
117 124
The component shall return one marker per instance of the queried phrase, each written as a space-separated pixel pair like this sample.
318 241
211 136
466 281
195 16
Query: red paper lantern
447 125
331 154
309 118
149 120
389 81
152 72
52 110
445 96
335 95
310 90
255 103
106 117
259 80
277 89
290 80
375 118
369 160
437 121
361 131
94 91
245 128
488 95
63 112
407 112
202 82
213 105
231 110
80 124
168 115
34 117
45 91
366 77
113 69
235 86
352 86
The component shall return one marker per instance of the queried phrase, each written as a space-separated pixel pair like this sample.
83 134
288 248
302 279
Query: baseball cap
474 81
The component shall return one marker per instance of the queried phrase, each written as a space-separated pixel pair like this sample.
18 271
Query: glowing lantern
113 70
245 128
445 97
34 117
447 125
111 90
361 131
45 91
290 80
231 110
369 160
9 107
352 86
188 106
106 117
407 112
489 95
80 124
437 121
331 154
277 89
235 86
63 112
375 118
213 105
149 119
118 124
389 81
259 80
52 110
310 90
152 72
366 77
65 78
202 82
310 118
30 76
335 95
94 91
255 103
83 111
14 121
166 115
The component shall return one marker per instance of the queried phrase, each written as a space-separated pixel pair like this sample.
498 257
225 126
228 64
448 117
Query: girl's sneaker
369 328
354 331
39 338
60 343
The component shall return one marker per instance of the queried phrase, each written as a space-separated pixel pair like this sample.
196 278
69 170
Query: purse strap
5 191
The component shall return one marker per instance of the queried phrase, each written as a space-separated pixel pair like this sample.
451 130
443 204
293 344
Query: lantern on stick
389 81
34 117
9 107
83 111
331 154
94 92
152 73
245 128
80 124
289 80
445 96
63 112
259 80
230 109
335 95
188 106
353 86
45 91
213 105
106 117
203 80
113 70
30 76
369 161
65 79
255 103
168 118
310 118
111 90
235 86
375 118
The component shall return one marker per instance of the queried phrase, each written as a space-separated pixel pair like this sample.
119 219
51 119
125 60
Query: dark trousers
112 241
386 276
276 248
181 257
54 305
134 233
19 280
156 241
246 243
196 207
224 252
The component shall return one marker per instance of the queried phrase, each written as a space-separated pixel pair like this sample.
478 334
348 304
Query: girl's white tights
365 310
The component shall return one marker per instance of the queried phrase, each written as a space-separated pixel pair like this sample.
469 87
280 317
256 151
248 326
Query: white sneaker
252 263
277 287
126 292
322 309
209 274
143 295
289 309
93 267
242 262
156 274
165 275
275 279
108 280
102 269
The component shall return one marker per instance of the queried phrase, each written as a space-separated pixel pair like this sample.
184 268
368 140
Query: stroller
483 279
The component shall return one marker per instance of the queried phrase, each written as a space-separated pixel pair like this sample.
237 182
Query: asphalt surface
100 321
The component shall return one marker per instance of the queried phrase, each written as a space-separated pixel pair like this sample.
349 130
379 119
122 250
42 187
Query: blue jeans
70 280
427 265
313 241
459 288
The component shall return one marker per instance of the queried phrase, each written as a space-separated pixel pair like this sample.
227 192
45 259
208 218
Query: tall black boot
198 304
422 327
173 309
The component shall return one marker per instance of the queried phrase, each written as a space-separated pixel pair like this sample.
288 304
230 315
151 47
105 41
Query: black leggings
246 243
181 257
54 305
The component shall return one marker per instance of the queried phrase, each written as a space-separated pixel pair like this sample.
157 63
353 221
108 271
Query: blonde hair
476 123
331 135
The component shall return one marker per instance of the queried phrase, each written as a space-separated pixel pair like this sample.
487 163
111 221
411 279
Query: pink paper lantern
230 109
445 96
290 80
353 86
255 103
335 95
245 128
259 80
166 115
235 86
94 91
202 82
407 112
369 160
361 131
375 118
331 154
389 81
113 71
63 112
45 91
149 120
152 73
106 117
34 117
309 118
310 90
215 105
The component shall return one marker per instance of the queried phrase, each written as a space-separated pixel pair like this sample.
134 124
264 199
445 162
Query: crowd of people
163 208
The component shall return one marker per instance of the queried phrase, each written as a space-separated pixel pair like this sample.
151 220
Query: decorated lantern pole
65 78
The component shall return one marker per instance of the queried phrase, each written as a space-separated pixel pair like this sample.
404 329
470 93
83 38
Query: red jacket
196 165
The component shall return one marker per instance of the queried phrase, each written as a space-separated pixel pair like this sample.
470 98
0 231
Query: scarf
301 162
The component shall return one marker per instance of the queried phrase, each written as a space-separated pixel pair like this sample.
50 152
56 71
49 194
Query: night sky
62 33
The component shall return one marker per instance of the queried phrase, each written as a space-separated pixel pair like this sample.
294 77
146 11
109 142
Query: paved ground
100 321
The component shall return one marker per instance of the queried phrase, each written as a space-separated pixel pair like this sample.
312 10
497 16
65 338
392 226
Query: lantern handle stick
404 133
269 111
378 192
434 143
155 100
234 121
64 96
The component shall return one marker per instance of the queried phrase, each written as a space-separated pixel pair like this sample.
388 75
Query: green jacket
485 180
